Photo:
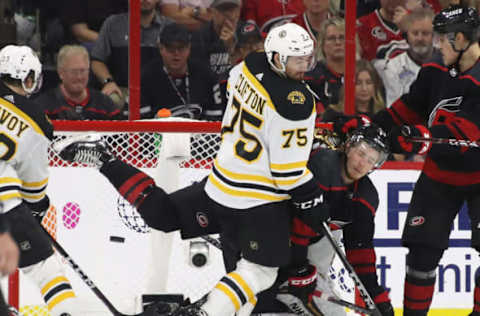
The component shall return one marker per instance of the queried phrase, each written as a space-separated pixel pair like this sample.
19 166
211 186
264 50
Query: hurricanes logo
296 97
377 32
202 219
417 221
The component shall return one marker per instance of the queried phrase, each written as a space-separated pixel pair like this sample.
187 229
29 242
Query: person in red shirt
266 13
377 32
316 12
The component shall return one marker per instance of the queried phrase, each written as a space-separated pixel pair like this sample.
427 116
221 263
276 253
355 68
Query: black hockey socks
153 204
420 280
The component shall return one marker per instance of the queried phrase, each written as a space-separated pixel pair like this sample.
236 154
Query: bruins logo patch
296 97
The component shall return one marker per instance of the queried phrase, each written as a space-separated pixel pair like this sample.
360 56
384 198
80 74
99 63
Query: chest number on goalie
247 139
10 146
300 133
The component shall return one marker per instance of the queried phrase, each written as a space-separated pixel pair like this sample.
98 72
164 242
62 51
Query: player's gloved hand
386 309
312 209
343 125
400 143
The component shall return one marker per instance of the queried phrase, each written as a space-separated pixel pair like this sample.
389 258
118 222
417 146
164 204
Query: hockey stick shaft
338 301
448 141
213 241
351 272
84 277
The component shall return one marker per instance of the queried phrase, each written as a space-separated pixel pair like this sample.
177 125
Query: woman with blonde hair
368 93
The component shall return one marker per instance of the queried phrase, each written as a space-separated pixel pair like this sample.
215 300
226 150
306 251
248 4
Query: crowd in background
188 47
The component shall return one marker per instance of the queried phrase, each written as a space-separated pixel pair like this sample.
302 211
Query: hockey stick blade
351 272
447 141
90 284
339 301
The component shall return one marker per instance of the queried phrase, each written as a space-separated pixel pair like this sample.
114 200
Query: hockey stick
448 141
321 295
351 272
85 278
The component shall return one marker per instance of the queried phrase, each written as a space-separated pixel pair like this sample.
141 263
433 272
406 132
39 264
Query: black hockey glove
343 125
386 309
312 209
399 139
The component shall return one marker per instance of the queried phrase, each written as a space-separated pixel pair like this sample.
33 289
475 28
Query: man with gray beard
399 72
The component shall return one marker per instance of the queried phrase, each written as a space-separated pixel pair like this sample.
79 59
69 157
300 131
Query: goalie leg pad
57 292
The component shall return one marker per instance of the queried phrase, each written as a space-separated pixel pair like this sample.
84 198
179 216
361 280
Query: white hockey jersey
25 135
267 134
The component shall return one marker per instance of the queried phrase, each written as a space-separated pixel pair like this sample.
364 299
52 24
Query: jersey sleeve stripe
287 174
9 196
244 193
24 116
33 198
10 180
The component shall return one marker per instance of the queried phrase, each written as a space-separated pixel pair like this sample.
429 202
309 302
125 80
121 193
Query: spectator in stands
316 12
191 13
215 42
188 88
83 19
399 72
377 32
110 51
72 99
249 39
266 13
368 93
326 78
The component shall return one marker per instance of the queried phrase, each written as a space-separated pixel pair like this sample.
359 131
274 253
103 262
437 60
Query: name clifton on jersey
12 122
249 95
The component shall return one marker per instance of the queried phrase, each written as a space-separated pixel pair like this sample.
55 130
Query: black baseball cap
248 32
175 33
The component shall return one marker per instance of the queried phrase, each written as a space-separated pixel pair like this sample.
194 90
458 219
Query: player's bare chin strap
139 189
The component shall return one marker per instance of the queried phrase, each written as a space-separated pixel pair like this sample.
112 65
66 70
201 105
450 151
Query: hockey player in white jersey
261 167
25 134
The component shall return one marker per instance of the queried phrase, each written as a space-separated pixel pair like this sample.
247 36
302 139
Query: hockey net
108 239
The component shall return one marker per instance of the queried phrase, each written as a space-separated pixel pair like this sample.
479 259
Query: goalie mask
371 136
18 62
290 40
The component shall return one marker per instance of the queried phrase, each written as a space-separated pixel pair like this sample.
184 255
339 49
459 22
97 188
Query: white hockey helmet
286 40
17 62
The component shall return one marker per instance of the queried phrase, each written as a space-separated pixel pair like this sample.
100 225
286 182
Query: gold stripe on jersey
251 177
9 188
245 193
35 184
10 180
9 196
289 166
60 298
32 198
11 107
253 80
52 283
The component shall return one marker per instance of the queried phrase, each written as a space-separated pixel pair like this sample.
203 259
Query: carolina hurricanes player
443 102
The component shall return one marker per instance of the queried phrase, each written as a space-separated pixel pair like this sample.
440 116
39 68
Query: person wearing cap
215 42
110 52
249 39
173 81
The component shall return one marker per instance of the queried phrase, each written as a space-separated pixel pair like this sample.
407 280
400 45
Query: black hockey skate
85 149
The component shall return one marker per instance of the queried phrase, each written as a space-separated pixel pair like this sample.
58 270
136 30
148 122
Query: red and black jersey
352 208
378 37
449 104
326 83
